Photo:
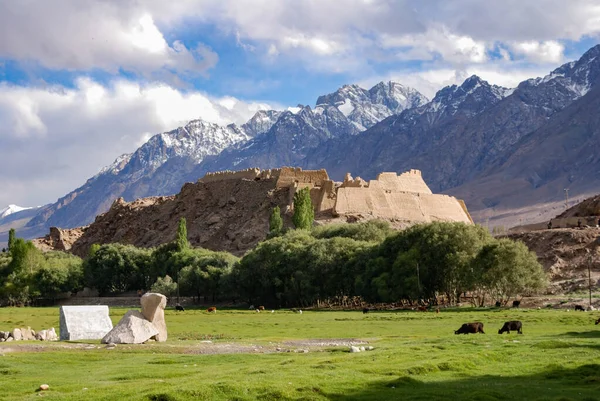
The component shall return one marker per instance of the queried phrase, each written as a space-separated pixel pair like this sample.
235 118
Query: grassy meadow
261 356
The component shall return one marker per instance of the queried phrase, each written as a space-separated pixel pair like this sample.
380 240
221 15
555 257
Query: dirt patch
295 346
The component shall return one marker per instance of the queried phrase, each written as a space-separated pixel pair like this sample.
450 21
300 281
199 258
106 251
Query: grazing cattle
366 310
261 308
598 321
498 304
467 328
512 325
516 304
179 308
579 307
212 309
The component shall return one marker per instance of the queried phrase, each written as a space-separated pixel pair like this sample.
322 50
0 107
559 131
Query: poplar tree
182 241
275 222
11 238
304 214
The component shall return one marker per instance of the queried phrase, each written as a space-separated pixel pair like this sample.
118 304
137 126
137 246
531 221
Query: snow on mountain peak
10 209
364 108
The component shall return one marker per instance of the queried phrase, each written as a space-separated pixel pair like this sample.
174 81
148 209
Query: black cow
365 310
579 307
467 328
598 321
512 325
516 304
498 304
179 308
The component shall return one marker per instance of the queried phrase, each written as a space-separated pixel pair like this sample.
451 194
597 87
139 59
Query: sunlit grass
416 357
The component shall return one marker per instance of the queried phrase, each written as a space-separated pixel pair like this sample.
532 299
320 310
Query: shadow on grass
583 334
553 383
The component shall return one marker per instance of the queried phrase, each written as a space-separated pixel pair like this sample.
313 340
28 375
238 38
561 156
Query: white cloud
53 139
451 47
111 34
542 52
88 34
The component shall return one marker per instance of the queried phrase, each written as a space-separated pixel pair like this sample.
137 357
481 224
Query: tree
372 230
508 268
304 213
424 261
118 268
11 237
62 273
203 272
182 240
275 222
165 286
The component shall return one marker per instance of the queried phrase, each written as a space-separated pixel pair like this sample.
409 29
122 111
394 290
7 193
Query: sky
84 81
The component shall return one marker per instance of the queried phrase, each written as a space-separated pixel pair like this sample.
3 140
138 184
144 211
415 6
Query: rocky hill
565 254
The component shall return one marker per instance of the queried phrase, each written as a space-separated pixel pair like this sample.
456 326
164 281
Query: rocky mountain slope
561 152
270 138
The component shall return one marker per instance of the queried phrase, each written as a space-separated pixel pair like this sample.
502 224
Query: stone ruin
28 334
405 197
138 327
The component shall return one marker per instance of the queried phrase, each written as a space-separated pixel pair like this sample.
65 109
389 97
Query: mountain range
502 150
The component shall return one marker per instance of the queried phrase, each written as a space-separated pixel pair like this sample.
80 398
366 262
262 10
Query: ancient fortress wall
400 197
410 181
404 197
287 176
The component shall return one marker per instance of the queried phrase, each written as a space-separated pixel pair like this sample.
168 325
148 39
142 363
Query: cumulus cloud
111 34
87 34
53 139
543 52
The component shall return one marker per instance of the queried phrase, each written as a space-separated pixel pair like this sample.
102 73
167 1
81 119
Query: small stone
354 349
362 348
44 387
9 339
370 348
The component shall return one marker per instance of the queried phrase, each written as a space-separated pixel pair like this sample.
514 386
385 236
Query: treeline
427 263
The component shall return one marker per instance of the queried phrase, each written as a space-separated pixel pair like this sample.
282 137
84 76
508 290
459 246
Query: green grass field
416 357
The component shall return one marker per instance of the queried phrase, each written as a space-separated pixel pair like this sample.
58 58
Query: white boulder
133 328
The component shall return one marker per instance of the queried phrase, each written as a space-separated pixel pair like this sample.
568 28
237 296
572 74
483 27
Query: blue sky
83 81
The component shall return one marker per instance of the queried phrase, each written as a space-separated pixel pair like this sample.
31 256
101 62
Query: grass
416 357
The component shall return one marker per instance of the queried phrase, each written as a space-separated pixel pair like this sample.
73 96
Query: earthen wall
289 175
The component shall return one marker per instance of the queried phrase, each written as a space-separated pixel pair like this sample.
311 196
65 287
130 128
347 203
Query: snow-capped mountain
10 209
131 175
270 138
365 108
261 122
